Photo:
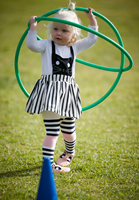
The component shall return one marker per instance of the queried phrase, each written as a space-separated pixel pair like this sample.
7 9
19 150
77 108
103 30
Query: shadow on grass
22 172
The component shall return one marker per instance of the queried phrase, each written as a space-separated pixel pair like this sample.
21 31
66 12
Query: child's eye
64 31
55 29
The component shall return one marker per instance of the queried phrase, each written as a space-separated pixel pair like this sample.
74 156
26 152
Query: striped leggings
53 123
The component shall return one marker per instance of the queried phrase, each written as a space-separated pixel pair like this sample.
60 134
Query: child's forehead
60 25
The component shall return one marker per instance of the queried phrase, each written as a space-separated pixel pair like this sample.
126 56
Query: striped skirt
56 93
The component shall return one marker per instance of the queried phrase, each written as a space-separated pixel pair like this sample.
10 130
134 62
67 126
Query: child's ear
73 39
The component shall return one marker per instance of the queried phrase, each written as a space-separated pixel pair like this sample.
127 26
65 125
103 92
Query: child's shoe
58 169
65 159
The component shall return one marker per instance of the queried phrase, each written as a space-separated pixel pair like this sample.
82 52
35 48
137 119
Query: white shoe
65 159
58 169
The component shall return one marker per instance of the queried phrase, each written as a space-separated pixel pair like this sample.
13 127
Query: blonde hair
69 15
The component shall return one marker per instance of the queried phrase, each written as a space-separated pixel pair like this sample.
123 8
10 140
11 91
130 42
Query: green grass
106 166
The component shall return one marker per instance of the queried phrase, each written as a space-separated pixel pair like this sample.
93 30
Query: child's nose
59 32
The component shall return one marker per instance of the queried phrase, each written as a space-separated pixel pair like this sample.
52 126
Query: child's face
61 33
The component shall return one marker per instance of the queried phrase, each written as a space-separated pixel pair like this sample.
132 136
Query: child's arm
32 43
92 18
90 40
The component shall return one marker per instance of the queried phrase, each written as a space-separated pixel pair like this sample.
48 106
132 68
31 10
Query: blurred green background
106 163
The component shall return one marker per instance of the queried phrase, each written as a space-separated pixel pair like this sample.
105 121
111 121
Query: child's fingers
32 19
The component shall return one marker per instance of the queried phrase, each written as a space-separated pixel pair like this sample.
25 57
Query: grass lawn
106 166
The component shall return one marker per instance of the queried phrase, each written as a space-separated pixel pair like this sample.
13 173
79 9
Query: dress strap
71 50
53 47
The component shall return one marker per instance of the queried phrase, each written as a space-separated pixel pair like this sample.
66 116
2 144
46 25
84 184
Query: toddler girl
55 94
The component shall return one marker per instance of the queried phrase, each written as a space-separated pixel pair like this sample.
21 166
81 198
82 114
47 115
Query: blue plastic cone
47 189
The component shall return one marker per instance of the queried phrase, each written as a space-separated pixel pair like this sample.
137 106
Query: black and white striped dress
57 92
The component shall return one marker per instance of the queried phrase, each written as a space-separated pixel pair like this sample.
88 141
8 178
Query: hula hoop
119 46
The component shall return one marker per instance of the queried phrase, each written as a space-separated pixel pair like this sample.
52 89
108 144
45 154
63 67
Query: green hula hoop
119 46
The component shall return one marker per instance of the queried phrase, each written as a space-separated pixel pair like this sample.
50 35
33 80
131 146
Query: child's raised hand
91 17
32 20
33 23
